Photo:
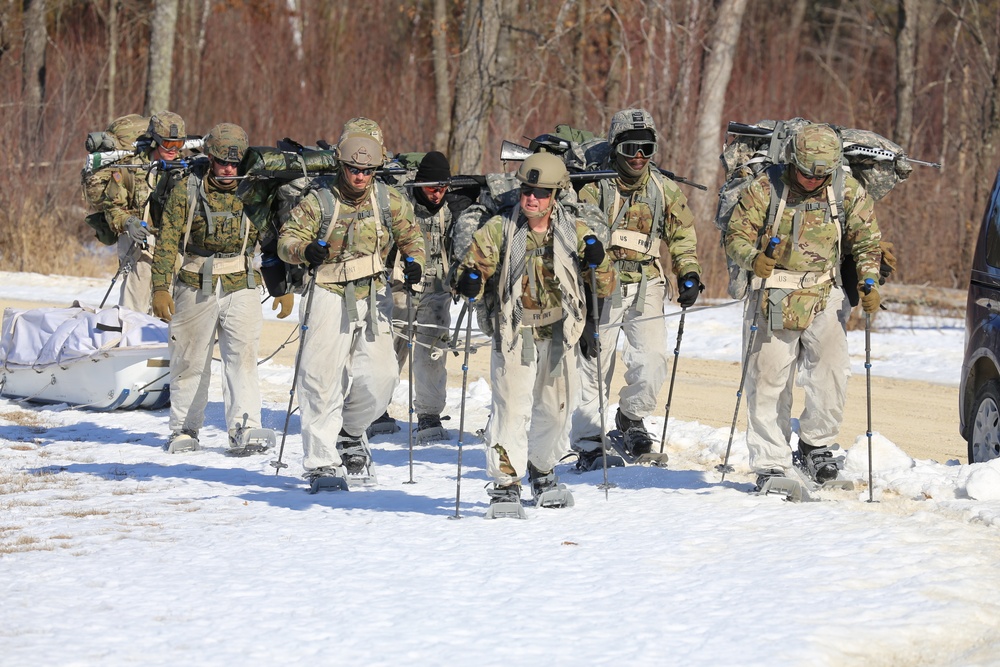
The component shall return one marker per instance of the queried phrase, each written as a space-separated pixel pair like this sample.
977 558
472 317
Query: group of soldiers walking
561 291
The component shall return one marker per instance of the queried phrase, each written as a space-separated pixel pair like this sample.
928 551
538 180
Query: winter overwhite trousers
236 319
644 354
818 357
137 287
344 378
433 312
530 413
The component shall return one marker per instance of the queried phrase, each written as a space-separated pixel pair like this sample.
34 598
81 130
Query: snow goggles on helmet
171 144
633 148
358 171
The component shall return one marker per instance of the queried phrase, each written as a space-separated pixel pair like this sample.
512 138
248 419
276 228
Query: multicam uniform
215 294
349 320
542 312
804 326
432 313
641 217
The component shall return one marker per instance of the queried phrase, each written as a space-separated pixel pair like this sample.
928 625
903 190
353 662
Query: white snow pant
529 425
136 291
644 354
819 354
198 318
433 312
333 350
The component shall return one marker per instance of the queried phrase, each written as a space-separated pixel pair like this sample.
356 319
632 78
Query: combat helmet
816 150
632 124
361 143
544 170
166 126
226 142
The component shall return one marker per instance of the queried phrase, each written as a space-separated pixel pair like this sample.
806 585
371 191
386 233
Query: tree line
461 75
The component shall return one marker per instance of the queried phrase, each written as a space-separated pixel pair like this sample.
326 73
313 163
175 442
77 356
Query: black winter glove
412 271
593 252
469 284
316 253
688 287
588 341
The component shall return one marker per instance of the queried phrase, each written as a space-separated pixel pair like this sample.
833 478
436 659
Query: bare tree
161 55
906 71
442 85
33 66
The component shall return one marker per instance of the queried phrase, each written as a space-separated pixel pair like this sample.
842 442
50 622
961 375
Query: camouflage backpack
753 149
121 135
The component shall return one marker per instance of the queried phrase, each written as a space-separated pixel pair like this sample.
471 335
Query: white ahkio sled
107 359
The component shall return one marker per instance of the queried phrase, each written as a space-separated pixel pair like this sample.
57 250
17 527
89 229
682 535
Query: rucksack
121 135
754 148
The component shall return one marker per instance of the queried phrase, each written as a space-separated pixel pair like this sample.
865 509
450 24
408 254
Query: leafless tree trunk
579 111
906 71
33 66
442 84
475 83
161 56
112 56
613 87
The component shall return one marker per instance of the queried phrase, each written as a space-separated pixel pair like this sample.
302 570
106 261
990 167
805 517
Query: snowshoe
591 459
546 489
821 466
775 481
327 478
357 459
505 502
429 429
634 435
384 425
182 441
246 441
657 459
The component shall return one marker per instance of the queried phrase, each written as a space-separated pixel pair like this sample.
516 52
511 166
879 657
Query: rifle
516 153
850 149
96 161
478 181
168 165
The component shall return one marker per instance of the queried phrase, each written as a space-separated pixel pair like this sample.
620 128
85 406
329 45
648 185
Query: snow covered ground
113 552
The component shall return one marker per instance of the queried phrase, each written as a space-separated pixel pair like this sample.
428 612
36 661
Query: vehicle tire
984 431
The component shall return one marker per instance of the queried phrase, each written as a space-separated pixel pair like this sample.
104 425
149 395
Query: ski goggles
539 193
171 144
358 171
633 148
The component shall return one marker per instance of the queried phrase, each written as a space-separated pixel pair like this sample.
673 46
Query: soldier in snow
133 202
644 209
803 301
344 229
215 294
537 258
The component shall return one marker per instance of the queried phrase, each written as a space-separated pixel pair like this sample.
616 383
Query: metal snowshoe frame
183 443
505 509
330 482
656 459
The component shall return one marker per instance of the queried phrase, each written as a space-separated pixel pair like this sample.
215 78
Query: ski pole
458 327
278 465
725 468
461 418
600 379
123 267
409 352
869 283
673 371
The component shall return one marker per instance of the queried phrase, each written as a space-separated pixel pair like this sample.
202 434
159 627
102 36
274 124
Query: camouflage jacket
357 231
809 240
540 286
437 245
223 237
676 227
128 191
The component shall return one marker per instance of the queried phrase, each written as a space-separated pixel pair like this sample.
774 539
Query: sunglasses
633 148
357 171
538 193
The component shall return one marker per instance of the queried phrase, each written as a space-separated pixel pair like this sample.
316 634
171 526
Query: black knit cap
433 168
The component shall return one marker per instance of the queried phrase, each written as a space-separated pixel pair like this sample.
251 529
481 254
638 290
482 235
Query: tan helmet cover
544 170
817 150
360 150
227 142
166 125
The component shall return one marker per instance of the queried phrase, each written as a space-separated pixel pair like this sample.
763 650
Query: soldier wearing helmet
644 211
343 230
133 203
215 294
534 260
802 299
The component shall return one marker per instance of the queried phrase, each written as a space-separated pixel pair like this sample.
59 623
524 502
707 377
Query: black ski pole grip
590 240
472 276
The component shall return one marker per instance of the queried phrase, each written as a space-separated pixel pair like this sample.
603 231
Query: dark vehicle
979 397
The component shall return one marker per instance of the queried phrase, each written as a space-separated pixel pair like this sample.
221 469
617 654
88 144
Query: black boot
634 434
818 462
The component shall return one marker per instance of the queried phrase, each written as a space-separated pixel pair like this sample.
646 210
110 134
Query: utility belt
215 264
627 289
632 266
793 280
531 321
354 273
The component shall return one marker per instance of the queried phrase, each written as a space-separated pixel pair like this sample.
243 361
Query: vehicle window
993 230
